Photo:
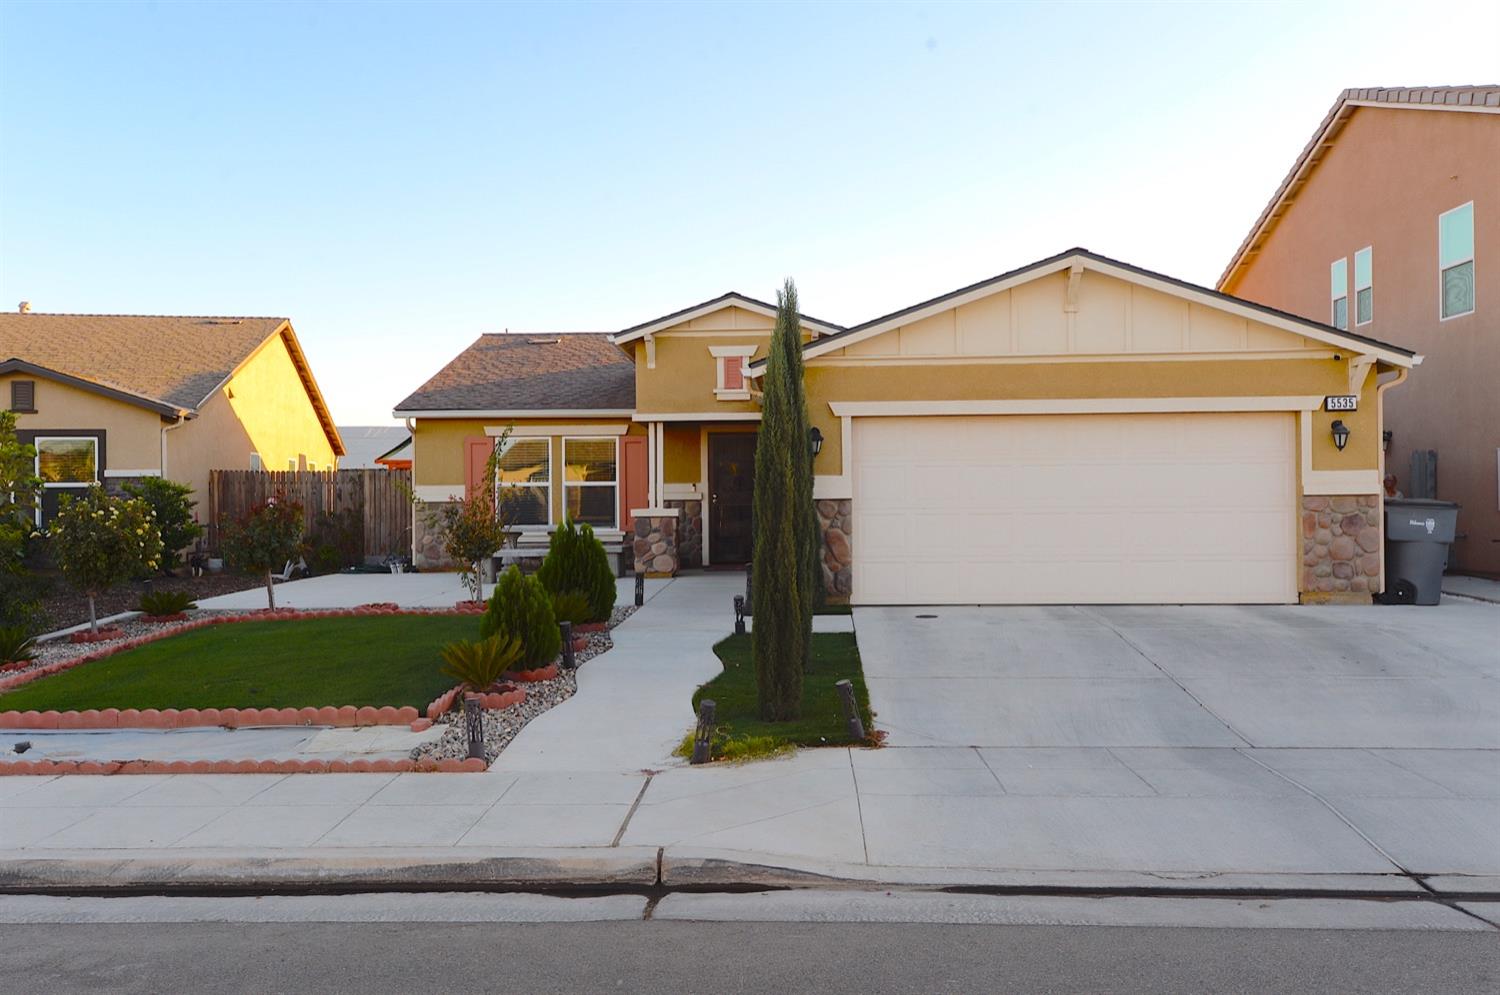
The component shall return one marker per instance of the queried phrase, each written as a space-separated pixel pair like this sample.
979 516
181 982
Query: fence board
378 497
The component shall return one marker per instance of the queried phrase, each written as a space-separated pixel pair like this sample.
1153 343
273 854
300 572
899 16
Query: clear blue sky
398 179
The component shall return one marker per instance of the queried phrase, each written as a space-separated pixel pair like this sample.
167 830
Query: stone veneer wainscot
655 543
836 520
1340 544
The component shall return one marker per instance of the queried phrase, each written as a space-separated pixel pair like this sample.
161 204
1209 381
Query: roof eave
163 408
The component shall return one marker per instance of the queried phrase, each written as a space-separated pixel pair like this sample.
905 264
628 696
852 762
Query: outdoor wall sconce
1385 440
1340 434
815 440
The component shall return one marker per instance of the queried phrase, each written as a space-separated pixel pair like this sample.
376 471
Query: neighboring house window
1456 260
1364 286
255 463
525 480
67 461
729 361
291 464
590 481
23 396
1338 291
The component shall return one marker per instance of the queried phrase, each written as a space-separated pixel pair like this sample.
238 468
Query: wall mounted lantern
815 440
1385 440
1340 434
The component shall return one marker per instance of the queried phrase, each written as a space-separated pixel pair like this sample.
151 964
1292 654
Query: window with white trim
1338 293
591 480
1364 286
730 362
1456 261
67 461
523 474
255 463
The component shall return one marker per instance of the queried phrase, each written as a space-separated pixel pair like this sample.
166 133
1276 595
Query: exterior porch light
815 440
1340 435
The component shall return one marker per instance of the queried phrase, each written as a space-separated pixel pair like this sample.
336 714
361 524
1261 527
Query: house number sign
1341 402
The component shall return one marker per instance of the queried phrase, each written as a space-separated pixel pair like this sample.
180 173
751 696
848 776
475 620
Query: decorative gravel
502 725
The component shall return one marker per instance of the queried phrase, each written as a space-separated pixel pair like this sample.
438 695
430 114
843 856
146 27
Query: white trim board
699 416
1072 405
578 430
438 492
133 473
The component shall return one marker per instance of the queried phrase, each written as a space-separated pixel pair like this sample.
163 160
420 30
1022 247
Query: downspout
1380 388
182 420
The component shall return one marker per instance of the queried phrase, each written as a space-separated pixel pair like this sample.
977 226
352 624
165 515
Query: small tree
19 487
173 507
267 537
475 527
782 603
576 562
521 609
99 541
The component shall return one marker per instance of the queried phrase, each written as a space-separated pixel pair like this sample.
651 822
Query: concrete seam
1167 674
1137 774
993 773
625 824
350 814
859 807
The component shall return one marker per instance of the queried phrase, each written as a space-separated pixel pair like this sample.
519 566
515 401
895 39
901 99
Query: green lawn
380 660
835 657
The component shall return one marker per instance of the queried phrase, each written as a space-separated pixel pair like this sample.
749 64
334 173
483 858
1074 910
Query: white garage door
1075 509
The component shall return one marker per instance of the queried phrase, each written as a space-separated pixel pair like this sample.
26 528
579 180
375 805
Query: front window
524 476
590 481
1456 260
1338 291
67 462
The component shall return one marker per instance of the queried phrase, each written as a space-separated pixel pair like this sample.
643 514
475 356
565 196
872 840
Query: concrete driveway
1333 740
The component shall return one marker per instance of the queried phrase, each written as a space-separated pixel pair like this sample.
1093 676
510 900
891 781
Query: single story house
111 398
1078 430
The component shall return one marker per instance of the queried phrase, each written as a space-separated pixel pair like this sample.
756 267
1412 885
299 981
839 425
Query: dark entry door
731 483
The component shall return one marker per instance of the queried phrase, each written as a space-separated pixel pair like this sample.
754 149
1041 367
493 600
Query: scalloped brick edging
547 673
54 767
104 634
443 703
233 718
471 607
164 619
587 627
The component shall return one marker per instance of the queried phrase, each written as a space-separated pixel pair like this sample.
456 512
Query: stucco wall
133 433
1388 176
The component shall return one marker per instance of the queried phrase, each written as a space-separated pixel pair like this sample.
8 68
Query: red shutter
633 474
477 449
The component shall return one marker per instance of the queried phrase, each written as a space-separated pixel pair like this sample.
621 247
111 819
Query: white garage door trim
1106 508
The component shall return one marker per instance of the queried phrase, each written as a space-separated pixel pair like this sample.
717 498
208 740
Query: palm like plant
16 645
478 665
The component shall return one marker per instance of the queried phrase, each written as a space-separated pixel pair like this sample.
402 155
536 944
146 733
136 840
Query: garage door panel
1074 509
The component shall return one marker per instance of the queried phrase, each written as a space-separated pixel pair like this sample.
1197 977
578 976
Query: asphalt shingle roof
178 360
514 372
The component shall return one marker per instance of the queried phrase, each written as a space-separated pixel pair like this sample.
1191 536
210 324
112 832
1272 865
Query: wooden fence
378 498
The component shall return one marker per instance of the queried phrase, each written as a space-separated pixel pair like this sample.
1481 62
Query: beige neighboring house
1388 224
1078 430
111 398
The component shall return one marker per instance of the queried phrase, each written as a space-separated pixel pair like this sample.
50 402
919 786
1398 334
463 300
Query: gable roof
1111 267
510 373
731 299
178 361
364 444
1468 99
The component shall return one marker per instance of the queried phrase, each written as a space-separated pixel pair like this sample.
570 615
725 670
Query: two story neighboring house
1389 225
110 398
1076 430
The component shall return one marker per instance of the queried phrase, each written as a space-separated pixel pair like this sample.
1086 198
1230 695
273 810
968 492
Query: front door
731 486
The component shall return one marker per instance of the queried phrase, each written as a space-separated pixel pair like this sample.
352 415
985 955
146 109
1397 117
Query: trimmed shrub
173 507
166 602
478 665
576 561
521 608
571 606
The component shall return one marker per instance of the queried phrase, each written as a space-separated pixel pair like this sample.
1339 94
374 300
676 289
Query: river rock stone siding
656 545
115 486
836 521
427 537
1341 544
689 533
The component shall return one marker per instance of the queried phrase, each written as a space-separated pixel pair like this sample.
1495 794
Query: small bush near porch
391 660
835 657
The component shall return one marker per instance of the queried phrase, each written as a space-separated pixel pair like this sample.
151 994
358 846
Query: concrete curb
523 868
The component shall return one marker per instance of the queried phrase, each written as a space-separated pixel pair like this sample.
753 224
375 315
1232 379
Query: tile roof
1469 99
176 360
518 372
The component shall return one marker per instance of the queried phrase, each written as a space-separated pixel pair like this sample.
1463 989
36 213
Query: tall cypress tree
782 608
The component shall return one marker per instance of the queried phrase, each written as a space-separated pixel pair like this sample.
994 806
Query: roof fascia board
16 365
284 332
1412 106
515 413
709 307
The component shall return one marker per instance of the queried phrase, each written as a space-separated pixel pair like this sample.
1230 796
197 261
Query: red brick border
54 767
443 703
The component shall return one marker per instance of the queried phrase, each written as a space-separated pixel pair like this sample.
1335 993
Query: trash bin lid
1421 503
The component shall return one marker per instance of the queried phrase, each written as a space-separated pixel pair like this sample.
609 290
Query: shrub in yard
336 540
19 487
571 606
264 540
16 644
478 665
166 602
576 561
21 596
522 609
173 507
99 541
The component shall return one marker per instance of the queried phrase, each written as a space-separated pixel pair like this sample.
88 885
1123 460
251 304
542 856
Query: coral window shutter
734 372
477 449
633 477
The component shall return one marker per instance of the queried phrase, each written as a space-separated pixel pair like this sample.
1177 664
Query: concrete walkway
412 590
1479 588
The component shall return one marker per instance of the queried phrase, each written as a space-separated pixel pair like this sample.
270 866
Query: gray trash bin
1417 534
